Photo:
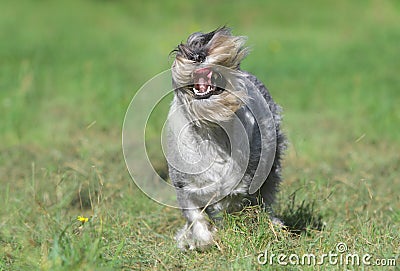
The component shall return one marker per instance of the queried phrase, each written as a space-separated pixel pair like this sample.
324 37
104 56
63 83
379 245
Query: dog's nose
204 72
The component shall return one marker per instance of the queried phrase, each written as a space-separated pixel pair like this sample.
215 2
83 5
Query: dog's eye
199 57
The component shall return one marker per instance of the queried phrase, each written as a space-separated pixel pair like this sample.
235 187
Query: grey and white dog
224 139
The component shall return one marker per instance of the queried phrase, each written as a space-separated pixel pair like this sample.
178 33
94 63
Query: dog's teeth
198 93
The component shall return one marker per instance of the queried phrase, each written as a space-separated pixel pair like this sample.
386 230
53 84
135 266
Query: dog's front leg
197 232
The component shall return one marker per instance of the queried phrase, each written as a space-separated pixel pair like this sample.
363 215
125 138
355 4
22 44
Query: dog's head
206 74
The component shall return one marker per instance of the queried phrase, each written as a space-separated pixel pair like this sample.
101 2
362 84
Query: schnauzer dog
224 142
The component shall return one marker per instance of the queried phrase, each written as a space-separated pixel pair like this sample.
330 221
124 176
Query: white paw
197 237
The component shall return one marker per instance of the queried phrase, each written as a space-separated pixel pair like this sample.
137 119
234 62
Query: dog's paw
203 236
183 237
195 237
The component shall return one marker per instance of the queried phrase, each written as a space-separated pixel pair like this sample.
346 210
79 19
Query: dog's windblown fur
213 127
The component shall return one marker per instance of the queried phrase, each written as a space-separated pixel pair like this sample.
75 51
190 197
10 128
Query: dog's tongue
201 85
202 79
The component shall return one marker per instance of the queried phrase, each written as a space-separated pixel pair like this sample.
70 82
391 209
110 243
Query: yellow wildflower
82 219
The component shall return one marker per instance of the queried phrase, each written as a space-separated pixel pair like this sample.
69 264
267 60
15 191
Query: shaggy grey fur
218 135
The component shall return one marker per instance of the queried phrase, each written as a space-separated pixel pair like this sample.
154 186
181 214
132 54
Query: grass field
68 70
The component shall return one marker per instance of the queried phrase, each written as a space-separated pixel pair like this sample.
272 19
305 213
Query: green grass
68 70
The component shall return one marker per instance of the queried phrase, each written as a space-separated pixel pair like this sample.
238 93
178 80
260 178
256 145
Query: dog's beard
206 75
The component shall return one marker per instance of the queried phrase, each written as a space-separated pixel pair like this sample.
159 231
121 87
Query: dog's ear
226 50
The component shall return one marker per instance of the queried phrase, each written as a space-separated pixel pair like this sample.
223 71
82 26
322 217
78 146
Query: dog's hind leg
267 195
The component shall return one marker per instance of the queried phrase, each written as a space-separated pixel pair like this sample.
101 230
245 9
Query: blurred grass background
68 70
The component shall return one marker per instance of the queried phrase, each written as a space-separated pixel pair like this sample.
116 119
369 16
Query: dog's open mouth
207 82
